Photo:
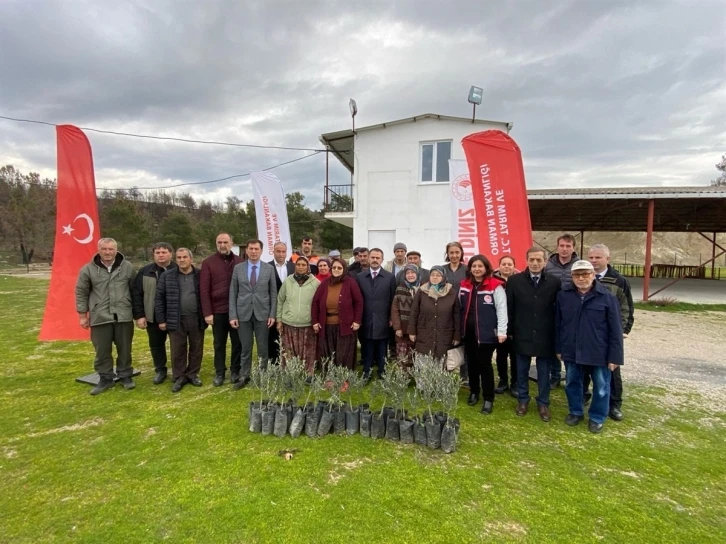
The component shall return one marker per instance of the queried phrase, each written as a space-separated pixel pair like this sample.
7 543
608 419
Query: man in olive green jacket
103 303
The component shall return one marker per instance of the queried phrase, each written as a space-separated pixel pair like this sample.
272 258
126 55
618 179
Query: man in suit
283 269
252 307
377 287
531 298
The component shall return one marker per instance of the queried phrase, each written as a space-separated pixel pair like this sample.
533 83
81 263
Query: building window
435 161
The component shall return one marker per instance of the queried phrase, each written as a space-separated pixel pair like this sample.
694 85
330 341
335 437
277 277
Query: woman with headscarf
505 350
336 315
401 310
323 269
434 324
294 321
483 326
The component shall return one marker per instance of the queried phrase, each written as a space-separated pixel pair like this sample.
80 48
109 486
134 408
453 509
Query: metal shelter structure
634 209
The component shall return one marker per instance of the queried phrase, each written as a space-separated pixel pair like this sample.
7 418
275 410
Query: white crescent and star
68 229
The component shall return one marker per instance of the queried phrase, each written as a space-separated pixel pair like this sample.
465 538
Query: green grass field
146 466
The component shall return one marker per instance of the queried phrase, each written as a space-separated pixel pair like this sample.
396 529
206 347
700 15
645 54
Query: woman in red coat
336 314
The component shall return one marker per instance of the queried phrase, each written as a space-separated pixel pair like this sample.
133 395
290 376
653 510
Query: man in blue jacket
589 336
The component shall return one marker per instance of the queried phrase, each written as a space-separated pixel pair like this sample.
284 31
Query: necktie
253 276
375 273
535 279
599 276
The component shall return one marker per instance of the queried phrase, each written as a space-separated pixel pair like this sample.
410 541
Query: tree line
137 219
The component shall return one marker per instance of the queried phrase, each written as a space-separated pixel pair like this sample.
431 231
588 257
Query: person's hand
162 326
234 323
625 335
317 327
84 321
209 319
141 322
279 327
612 366
502 338
399 334
355 326
412 337
270 322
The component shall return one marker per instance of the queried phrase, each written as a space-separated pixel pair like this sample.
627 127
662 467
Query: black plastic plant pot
268 420
282 419
311 422
339 421
393 429
406 431
321 407
326 423
388 412
419 433
253 405
366 418
255 420
298 423
433 434
378 426
448 438
352 421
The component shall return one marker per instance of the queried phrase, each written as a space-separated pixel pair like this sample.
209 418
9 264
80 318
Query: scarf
411 286
440 288
301 278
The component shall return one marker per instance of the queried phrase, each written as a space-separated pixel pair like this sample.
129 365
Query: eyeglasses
581 274
337 268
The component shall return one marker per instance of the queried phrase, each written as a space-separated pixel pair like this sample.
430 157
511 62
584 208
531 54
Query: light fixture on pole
475 98
353 111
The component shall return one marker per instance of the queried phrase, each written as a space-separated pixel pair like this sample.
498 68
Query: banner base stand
93 379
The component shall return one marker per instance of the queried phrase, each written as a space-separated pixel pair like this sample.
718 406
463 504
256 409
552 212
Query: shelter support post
713 257
582 244
327 164
648 249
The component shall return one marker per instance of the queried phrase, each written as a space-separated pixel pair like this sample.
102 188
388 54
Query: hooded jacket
106 294
295 301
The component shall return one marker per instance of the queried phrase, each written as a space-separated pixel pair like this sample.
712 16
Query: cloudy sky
601 92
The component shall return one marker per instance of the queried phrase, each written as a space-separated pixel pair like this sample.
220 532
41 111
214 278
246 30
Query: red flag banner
500 195
76 234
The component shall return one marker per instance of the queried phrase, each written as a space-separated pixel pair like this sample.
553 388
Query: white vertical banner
463 214
271 212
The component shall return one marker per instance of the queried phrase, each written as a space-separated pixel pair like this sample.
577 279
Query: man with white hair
103 303
599 257
588 338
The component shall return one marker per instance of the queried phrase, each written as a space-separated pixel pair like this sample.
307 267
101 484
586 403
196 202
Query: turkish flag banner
76 234
500 196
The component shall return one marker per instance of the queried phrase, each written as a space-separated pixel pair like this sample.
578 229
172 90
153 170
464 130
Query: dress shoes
521 409
128 383
487 407
218 380
594 427
616 414
544 413
179 384
473 399
501 387
573 420
195 381
159 377
240 384
234 377
513 390
104 384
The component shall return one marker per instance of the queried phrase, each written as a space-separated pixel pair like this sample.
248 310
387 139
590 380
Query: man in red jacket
215 278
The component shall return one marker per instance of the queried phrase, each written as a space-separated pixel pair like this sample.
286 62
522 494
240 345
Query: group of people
558 310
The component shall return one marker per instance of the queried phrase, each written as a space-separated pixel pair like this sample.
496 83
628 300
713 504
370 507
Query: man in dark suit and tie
252 307
377 287
283 269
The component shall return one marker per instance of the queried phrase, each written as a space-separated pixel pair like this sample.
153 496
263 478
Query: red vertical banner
76 234
500 195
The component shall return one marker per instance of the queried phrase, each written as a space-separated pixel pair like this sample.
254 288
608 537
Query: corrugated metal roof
704 191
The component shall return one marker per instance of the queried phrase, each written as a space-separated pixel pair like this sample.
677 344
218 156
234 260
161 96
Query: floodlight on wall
475 97
353 111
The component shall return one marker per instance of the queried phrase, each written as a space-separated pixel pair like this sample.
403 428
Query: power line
168 138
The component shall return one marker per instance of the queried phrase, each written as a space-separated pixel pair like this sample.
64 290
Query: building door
382 239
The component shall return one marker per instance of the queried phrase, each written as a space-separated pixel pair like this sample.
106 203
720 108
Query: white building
399 190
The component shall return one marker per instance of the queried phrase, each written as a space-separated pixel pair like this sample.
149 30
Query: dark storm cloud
600 93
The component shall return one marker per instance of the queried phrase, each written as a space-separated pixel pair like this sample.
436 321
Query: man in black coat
531 298
377 287
283 269
178 309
